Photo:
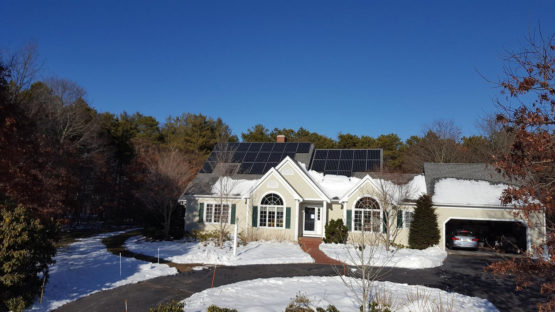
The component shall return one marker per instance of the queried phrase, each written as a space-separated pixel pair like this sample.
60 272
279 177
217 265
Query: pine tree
424 230
25 253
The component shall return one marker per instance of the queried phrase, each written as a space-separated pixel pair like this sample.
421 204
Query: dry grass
422 300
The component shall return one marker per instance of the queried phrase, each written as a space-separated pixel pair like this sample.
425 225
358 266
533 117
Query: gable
274 183
300 181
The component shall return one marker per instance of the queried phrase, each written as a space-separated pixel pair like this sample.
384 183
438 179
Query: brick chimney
281 139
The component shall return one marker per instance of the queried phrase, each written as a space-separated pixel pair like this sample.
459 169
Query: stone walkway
311 245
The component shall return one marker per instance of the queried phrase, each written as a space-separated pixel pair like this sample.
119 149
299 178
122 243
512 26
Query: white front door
312 221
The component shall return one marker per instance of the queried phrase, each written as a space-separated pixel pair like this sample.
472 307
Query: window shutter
349 219
288 217
200 212
232 214
254 216
384 230
399 219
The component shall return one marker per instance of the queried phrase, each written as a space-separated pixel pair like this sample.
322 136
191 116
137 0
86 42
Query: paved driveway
460 273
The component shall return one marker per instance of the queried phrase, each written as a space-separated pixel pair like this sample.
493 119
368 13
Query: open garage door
507 236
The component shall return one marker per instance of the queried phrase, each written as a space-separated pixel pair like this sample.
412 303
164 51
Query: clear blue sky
363 67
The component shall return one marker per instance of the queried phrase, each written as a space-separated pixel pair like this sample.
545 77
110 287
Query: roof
433 172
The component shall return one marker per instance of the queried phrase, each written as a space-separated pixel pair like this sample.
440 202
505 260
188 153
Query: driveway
460 273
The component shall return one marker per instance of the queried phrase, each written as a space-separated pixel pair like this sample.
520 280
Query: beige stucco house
289 198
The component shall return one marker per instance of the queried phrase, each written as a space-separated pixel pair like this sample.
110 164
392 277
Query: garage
504 236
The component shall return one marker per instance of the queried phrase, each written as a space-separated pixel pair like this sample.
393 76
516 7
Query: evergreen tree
424 230
25 254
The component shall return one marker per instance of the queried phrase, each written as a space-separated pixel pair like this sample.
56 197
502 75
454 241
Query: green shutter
384 228
200 212
349 219
399 219
233 214
254 216
288 217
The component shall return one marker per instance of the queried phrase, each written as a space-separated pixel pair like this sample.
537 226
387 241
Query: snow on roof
333 185
467 192
233 187
417 186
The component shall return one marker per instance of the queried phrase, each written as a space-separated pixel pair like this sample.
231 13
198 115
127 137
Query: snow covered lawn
402 258
274 294
259 252
85 267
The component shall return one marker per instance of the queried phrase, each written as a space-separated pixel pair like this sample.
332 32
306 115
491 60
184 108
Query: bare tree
167 173
24 66
391 191
224 168
369 264
440 143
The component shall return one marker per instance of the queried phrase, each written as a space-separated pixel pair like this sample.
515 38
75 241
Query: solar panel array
346 161
253 158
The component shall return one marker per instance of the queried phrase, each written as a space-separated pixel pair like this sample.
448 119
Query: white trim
305 176
528 235
273 171
357 186
297 207
284 206
353 216
228 203
247 217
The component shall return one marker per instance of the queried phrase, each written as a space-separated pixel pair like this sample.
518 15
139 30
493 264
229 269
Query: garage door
509 236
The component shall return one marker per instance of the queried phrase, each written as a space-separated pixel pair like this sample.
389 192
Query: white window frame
213 204
405 213
267 209
368 210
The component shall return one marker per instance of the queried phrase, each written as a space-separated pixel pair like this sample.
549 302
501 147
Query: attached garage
508 236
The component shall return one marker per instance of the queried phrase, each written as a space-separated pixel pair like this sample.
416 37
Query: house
288 190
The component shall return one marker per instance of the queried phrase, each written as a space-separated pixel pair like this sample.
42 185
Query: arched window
367 215
271 211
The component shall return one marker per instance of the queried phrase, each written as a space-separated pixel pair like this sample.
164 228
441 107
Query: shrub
25 253
330 308
300 303
336 232
215 308
173 306
209 236
424 230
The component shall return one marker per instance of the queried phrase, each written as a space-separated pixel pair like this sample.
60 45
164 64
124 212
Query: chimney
281 138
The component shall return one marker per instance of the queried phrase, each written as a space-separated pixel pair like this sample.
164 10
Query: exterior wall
335 212
297 182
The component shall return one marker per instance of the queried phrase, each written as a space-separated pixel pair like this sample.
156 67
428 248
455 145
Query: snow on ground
85 267
274 294
259 252
467 192
402 258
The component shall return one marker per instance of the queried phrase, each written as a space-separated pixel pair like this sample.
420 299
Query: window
367 215
271 211
216 213
407 218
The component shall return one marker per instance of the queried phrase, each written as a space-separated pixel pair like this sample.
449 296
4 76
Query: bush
424 230
215 308
209 236
375 307
301 303
173 306
336 232
25 253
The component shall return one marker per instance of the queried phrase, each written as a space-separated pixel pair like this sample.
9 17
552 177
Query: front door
312 221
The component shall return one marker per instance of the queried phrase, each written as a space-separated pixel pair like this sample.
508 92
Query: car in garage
463 239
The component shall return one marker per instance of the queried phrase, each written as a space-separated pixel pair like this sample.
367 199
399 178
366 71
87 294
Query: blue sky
362 67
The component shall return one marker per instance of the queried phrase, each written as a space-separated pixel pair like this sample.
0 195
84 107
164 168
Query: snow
333 185
274 294
417 186
258 252
236 187
401 258
85 267
467 192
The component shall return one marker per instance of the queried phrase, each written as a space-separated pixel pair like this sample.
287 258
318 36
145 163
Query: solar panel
346 161
254 158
